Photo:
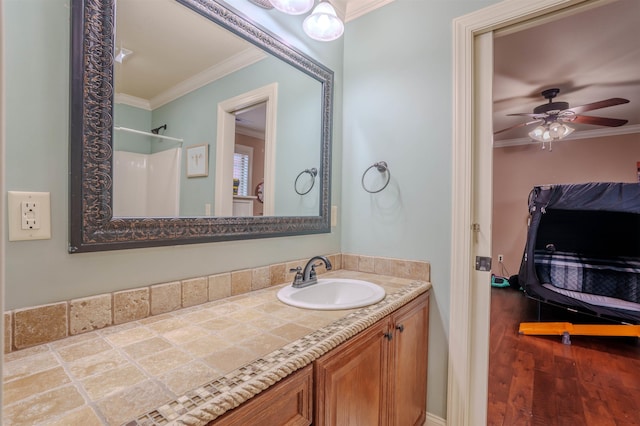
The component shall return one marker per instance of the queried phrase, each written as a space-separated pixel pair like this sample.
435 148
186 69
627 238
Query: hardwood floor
537 380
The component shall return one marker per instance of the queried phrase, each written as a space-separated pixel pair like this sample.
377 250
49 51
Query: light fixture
293 7
551 131
323 24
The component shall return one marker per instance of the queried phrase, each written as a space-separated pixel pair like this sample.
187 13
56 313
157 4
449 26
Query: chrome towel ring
313 172
382 167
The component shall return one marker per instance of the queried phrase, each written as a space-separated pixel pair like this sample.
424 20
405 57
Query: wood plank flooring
537 380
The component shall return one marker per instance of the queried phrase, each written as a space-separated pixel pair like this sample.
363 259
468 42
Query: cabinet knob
389 336
400 328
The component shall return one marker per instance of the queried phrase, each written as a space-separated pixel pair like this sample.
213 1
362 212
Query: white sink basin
332 294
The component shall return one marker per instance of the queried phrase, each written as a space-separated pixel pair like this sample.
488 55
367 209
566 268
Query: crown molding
348 10
231 65
249 132
586 134
134 101
235 63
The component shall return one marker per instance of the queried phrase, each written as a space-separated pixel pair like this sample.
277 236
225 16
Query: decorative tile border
33 326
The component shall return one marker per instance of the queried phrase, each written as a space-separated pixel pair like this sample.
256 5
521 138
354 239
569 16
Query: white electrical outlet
500 258
29 215
334 216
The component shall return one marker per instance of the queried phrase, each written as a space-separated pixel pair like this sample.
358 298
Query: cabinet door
351 381
408 393
287 403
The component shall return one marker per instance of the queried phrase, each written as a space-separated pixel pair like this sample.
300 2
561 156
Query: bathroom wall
397 108
133 118
36 69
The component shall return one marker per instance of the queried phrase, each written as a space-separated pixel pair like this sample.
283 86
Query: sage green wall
398 109
36 69
132 118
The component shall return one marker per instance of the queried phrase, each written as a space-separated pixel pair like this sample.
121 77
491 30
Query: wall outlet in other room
29 215
500 258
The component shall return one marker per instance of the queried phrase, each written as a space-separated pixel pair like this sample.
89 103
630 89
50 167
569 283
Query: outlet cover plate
42 201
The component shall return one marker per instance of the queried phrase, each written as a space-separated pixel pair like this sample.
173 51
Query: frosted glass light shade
323 24
293 7
548 132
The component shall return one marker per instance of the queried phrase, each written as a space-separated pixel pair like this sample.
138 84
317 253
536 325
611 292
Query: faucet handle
298 278
313 271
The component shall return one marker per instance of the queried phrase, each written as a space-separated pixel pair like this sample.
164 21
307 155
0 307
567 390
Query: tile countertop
184 367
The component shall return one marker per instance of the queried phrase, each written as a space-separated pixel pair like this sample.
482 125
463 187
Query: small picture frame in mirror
198 160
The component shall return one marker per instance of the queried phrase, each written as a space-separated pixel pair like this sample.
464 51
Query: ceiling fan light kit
552 117
551 131
323 24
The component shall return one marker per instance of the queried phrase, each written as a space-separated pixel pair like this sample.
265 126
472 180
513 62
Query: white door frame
468 325
225 141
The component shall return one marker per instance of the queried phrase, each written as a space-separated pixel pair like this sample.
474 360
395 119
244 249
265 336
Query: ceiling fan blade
599 121
597 105
517 126
526 114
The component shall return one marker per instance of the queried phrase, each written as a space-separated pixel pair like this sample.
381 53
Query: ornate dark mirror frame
92 226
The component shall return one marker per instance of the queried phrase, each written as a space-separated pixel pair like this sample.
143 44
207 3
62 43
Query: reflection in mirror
249 160
133 113
173 80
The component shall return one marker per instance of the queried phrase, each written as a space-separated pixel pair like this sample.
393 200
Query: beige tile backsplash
130 305
40 324
47 323
241 282
195 292
90 313
165 297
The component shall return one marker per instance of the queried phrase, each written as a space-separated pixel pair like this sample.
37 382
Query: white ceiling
163 66
590 56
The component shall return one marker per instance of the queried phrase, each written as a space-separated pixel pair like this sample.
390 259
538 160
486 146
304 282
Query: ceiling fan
553 115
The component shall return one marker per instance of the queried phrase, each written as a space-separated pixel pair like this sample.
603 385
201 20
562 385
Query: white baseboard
433 420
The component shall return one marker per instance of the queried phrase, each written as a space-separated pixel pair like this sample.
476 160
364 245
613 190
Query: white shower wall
146 185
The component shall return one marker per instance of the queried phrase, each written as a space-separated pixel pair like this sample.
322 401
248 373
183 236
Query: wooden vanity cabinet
408 364
351 381
287 403
380 376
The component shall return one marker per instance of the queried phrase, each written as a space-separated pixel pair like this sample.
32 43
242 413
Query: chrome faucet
307 276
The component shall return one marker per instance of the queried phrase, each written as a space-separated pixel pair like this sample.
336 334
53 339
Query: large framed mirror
194 120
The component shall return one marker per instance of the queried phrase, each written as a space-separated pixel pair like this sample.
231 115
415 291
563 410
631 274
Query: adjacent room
575 379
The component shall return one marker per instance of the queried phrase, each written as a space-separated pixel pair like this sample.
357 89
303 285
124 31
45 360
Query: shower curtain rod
155 135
